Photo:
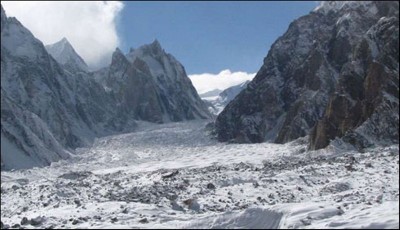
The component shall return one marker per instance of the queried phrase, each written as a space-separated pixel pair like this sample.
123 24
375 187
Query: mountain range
51 104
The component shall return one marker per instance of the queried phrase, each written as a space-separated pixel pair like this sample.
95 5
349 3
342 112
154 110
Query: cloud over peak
89 26
207 81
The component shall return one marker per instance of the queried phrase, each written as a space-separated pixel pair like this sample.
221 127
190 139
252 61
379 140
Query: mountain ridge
303 68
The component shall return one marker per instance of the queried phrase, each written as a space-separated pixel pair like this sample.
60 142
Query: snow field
175 176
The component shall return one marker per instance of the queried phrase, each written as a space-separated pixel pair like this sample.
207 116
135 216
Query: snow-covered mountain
334 73
46 111
51 104
218 102
211 93
152 85
65 54
230 93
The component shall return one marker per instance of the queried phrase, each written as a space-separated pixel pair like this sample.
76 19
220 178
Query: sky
210 36
219 43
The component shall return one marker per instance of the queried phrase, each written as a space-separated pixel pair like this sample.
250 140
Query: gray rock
37 220
152 85
325 79
75 222
169 174
25 221
144 221
114 219
210 186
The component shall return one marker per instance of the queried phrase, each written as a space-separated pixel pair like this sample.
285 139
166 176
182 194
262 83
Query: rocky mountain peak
66 55
117 56
152 85
156 44
153 49
323 67
64 40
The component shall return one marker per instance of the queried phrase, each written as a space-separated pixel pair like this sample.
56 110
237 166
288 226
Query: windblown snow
175 176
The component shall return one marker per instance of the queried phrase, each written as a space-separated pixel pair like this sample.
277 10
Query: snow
19 41
65 54
251 218
151 55
221 100
158 176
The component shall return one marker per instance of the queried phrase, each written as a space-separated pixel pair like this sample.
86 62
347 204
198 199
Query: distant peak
118 55
62 43
156 43
117 50
64 40
65 54
155 46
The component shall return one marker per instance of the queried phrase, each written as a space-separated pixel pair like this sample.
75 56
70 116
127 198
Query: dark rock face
333 64
365 106
152 85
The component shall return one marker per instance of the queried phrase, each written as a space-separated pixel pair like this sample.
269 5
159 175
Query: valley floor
174 176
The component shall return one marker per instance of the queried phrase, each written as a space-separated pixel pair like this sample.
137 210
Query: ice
159 176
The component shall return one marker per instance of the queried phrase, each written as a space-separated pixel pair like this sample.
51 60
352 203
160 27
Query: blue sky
207 37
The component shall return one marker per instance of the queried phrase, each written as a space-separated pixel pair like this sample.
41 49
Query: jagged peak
62 44
153 48
117 51
118 56
328 6
156 44
64 53
64 40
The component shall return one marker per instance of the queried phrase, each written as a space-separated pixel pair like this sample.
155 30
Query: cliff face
332 70
151 85
364 108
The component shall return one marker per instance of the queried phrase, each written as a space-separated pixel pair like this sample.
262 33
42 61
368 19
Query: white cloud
206 82
89 26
